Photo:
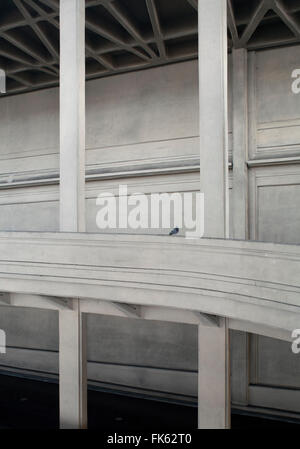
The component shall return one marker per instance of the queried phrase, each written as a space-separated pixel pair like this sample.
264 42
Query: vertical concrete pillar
240 143
214 392
72 116
72 368
213 385
240 340
72 333
213 121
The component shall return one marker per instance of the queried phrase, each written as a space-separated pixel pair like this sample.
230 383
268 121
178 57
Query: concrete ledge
249 281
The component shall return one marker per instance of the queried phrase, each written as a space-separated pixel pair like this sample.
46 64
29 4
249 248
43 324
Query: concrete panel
280 369
274 203
147 343
29 328
29 216
145 106
273 84
279 214
29 122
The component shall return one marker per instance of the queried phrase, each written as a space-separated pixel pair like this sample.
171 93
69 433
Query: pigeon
174 231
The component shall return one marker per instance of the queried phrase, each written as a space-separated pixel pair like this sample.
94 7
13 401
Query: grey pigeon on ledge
174 231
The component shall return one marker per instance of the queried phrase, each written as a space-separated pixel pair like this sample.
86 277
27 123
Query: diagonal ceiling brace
131 311
208 320
232 23
286 17
193 3
152 10
258 15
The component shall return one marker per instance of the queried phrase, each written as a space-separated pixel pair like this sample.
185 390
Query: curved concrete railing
251 281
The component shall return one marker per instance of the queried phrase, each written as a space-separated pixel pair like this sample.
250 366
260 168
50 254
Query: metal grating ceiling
126 35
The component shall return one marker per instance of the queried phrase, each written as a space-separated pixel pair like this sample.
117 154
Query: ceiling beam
193 3
51 3
155 22
111 44
107 32
232 24
118 11
37 30
261 10
287 18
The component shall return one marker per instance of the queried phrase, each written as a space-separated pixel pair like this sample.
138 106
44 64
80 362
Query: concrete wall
274 192
141 117
144 121
135 122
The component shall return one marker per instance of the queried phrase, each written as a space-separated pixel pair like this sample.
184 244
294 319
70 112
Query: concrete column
240 143
213 385
72 116
240 340
214 394
72 368
213 121
72 332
